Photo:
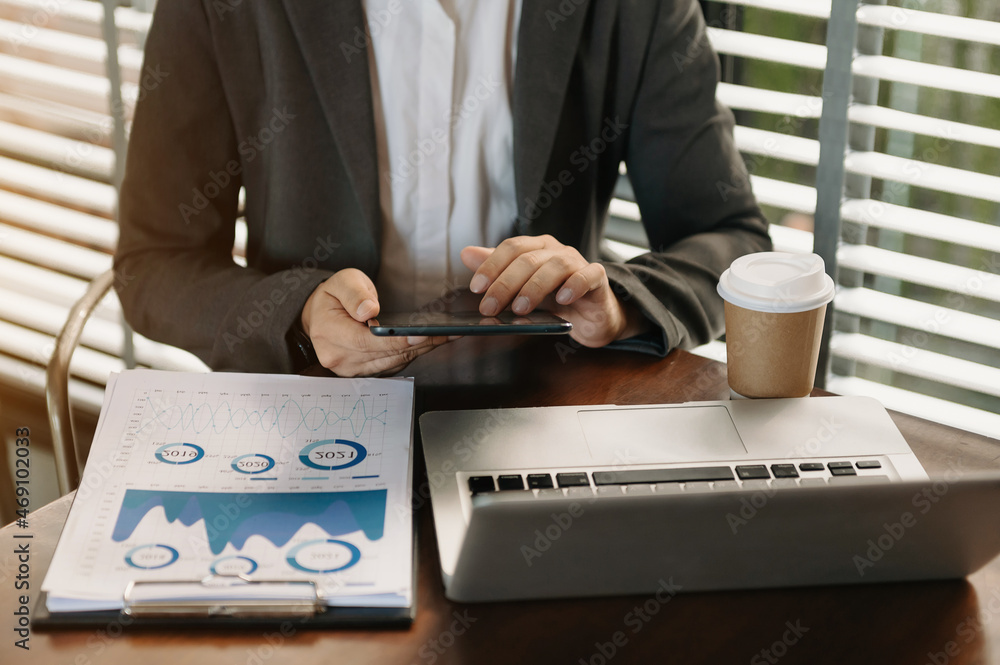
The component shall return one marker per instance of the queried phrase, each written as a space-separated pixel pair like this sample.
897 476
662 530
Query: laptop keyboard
683 479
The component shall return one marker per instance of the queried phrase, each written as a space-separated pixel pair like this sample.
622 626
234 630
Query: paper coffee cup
775 305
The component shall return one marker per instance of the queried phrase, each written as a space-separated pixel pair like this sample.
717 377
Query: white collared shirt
442 75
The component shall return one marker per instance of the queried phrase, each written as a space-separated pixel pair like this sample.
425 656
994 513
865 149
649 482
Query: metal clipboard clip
222 596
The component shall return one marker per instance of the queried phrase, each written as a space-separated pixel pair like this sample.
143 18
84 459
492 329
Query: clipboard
302 607
331 617
283 603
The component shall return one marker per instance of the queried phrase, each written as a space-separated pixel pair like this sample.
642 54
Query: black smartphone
467 323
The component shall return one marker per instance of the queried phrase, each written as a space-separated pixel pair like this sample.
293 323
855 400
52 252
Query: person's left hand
526 272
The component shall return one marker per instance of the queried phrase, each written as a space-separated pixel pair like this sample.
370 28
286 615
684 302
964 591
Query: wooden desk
897 623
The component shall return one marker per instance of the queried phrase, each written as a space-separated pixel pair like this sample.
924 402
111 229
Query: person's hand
526 272
334 317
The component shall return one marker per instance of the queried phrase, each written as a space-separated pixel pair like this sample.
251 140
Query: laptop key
842 471
480 484
538 481
752 471
784 471
840 465
576 479
653 476
869 464
858 480
811 466
510 482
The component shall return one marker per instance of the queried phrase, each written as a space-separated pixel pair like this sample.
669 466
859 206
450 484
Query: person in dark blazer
281 98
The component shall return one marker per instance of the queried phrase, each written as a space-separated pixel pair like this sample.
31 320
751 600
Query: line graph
285 420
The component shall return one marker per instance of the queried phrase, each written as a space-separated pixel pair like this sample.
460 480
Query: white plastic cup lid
779 282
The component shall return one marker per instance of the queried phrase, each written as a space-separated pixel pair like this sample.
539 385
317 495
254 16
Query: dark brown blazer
274 96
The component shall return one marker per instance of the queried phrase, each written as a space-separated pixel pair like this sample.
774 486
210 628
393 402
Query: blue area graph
233 518
286 419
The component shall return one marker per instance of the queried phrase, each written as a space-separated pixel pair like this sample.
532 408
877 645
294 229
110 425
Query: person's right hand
334 317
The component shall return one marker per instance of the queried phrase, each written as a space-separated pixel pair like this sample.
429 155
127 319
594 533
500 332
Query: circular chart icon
332 454
253 463
179 453
323 556
151 557
233 565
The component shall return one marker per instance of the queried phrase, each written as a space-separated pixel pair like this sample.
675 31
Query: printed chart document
287 478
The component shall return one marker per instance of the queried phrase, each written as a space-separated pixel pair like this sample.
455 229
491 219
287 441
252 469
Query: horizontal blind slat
930 23
945 321
918 270
922 223
916 361
771 49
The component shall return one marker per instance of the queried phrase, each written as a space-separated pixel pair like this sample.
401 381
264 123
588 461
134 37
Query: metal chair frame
69 457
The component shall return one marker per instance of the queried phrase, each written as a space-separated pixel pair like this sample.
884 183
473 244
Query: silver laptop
609 500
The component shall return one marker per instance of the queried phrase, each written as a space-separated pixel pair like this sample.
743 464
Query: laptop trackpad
661 435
